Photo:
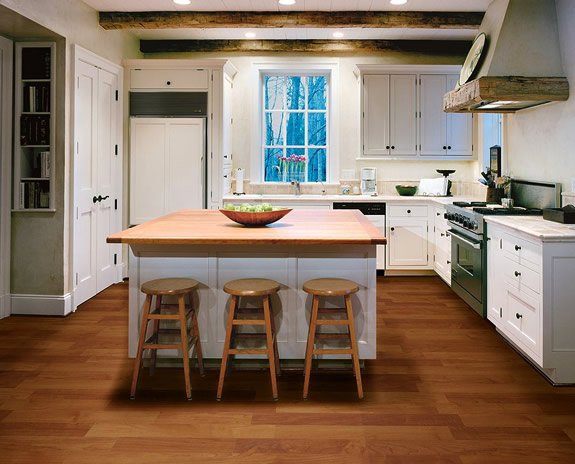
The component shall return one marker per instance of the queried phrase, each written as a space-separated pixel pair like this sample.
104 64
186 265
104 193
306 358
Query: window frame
331 72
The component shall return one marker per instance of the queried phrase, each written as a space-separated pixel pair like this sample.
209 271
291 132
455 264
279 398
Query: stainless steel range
469 236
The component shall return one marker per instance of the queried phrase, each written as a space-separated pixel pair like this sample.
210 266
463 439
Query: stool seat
171 286
251 287
330 287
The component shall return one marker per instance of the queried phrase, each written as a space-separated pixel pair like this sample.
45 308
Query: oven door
467 268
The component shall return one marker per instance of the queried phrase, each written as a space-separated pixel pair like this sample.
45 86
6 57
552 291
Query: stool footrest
248 322
331 336
169 317
162 346
333 351
248 351
332 322
330 310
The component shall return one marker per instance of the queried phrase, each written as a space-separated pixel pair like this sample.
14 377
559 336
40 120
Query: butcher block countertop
210 227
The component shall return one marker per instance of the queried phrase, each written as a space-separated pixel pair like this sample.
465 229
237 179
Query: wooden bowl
255 219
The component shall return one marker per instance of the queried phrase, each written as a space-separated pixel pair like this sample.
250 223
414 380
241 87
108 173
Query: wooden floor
445 389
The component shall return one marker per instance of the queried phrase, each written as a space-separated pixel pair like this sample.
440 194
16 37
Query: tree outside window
295 118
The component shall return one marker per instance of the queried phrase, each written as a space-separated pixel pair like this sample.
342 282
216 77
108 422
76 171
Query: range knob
466 223
475 225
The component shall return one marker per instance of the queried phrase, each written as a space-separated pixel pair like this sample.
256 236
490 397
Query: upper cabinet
402 116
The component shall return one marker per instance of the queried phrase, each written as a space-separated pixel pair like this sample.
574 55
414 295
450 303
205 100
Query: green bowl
406 190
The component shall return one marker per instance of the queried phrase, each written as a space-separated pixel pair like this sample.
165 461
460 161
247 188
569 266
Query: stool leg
225 354
156 322
198 344
185 346
270 345
276 351
142 339
310 345
353 339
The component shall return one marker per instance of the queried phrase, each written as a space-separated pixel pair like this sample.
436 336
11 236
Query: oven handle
476 245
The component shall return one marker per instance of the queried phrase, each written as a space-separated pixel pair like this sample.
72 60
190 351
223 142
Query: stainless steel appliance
469 236
368 181
375 212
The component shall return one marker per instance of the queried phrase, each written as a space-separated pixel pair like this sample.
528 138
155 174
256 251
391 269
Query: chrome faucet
297 187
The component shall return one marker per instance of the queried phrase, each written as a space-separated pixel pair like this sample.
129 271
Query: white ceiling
307 5
301 5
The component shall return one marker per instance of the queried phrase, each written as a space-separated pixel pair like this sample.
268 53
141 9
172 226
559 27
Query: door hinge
115 258
501 244
117 95
77 148
77 212
116 203
500 312
212 116
78 82
116 150
77 278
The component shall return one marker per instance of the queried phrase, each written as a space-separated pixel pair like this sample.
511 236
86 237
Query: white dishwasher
375 212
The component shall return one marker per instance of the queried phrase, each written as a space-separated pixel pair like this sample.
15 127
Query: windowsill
271 184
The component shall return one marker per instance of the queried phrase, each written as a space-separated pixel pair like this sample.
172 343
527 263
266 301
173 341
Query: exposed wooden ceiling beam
440 47
291 19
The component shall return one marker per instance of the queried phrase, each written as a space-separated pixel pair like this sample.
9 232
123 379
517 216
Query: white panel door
459 128
407 243
433 121
376 115
147 168
403 120
86 182
185 141
107 168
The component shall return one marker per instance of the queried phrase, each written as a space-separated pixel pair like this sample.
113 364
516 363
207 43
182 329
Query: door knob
99 198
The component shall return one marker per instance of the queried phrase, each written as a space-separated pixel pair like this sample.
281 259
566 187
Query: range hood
521 63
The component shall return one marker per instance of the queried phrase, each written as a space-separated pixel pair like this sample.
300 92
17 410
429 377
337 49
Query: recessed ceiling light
250 35
287 2
338 35
398 2
182 2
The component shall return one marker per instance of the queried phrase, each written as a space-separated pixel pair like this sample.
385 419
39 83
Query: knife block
494 195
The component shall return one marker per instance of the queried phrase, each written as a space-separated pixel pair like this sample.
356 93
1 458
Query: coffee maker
368 181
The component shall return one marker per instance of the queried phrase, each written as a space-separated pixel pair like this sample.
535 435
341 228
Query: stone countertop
344 198
537 227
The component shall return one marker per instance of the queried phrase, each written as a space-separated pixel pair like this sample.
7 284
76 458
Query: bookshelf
34 129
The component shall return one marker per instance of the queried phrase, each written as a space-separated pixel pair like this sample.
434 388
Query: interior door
107 169
376 115
86 182
403 105
432 124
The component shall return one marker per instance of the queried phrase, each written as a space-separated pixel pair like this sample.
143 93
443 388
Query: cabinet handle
448 262
449 147
518 316
517 248
392 229
438 214
169 83
408 211
445 147
442 234
393 147
387 147
517 274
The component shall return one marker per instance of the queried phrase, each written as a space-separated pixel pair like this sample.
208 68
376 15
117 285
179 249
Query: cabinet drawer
190 79
520 276
407 211
442 265
521 250
523 321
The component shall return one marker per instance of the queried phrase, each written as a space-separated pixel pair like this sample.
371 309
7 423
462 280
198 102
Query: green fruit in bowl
229 207
267 207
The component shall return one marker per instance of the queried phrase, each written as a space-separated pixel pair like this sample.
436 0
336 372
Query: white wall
541 141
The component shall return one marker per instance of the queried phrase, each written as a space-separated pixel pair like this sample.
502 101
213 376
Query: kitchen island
305 244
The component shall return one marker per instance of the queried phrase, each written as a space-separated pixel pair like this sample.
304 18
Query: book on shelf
36 63
34 195
45 164
34 130
36 97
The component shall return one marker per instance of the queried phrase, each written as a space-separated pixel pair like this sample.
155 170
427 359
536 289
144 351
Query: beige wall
41 242
541 141
349 130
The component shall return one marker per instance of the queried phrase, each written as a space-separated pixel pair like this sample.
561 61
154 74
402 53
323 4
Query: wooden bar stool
331 288
264 288
181 312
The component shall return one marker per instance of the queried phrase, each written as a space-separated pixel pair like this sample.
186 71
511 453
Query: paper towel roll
239 181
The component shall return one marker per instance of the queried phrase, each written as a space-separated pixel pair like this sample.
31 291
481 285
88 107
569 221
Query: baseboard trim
42 305
409 272
5 305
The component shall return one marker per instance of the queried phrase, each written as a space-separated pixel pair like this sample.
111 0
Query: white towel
433 187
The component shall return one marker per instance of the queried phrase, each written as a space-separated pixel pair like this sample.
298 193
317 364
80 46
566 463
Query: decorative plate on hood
473 58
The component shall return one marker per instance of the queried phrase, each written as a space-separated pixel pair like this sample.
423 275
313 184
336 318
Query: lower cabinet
442 245
407 245
530 295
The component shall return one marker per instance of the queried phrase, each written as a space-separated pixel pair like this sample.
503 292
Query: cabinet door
459 129
147 168
522 320
184 180
376 115
407 245
403 107
495 284
189 79
433 121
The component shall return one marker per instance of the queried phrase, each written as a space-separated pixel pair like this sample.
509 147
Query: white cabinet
442 134
389 115
376 115
530 295
166 159
166 79
442 245
407 245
